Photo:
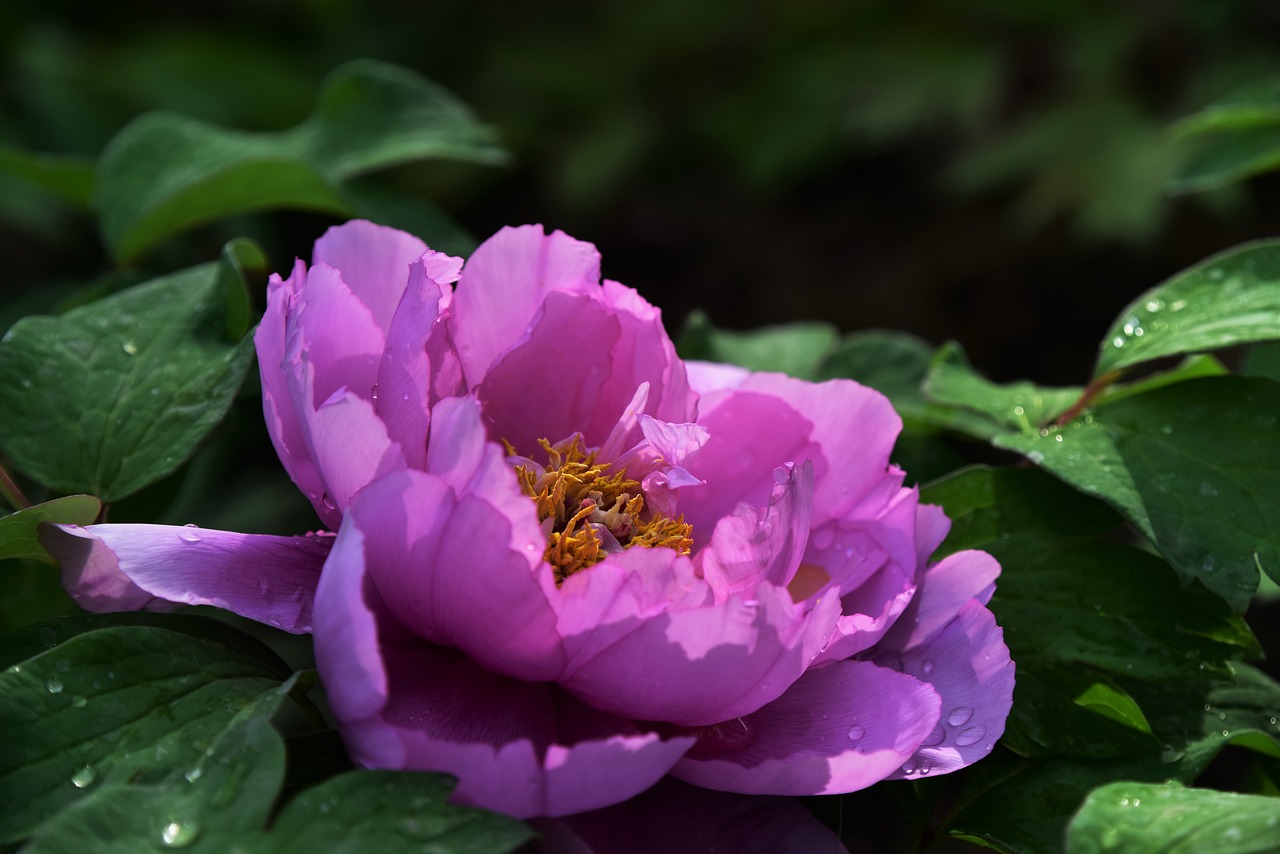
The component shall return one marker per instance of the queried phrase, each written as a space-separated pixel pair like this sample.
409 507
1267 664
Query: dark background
990 171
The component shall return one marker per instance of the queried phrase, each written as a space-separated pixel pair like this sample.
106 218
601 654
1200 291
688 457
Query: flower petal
841 727
418 365
331 330
522 748
753 545
350 445
514 269
968 665
676 818
457 571
113 567
643 641
945 589
374 261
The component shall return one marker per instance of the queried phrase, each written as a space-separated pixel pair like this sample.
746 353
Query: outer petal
839 728
968 665
641 646
676 818
331 330
945 589
121 567
514 270
374 261
517 747
447 565
350 446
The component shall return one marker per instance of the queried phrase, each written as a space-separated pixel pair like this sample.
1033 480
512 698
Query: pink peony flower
567 563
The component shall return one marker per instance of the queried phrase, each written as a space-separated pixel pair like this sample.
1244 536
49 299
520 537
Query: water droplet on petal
856 732
53 686
960 715
373 392
970 736
189 533
84 777
927 667
328 502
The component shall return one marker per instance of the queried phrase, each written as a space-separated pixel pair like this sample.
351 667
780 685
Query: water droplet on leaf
53 686
129 348
84 778
177 834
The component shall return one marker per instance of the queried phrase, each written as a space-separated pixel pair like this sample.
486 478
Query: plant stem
11 492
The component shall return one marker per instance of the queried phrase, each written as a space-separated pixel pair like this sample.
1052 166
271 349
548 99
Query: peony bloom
567 563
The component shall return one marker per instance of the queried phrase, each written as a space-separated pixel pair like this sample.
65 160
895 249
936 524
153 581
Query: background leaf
164 173
796 349
150 369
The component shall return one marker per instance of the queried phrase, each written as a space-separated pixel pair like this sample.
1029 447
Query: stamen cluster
588 513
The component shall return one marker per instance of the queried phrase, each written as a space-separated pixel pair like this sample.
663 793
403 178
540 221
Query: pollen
588 512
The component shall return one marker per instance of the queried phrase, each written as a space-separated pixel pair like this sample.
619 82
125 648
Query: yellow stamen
584 509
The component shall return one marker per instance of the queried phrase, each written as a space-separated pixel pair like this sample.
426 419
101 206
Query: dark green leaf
1171 819
1232 298
164 173
1064 709
1227 158
114 395
796 349
1254 105
66 177
18 530
1018 407
896 364
100 706
389 811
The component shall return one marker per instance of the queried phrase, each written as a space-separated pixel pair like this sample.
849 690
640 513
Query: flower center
588 513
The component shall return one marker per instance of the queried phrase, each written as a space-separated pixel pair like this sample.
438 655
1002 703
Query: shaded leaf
18 530
116 394
796 349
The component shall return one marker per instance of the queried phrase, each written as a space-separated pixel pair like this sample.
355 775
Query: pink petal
350 446
374 261
968 665
418 365
841 727
945 589
706 377
330 330
283 423
852 549
522 748
457 571
869 612
120 567
644 643
505 281
676 818
752 545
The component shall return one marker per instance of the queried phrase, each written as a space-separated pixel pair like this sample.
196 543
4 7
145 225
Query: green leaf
1065 710
114 395
96 702
896 364
1228 158
163 173
18 530
1256 104
795 349
1231 298
1017 407
66 177
1171 819
389 811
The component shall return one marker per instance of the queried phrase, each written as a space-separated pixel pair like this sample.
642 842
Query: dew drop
189 533
1117 342
328 502
1155 304
54 686
927 667
194 774
78 702
373 392
48 638
129 348
970 736
1057 438
856 732
179 835
960 715
1167 429
84 778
